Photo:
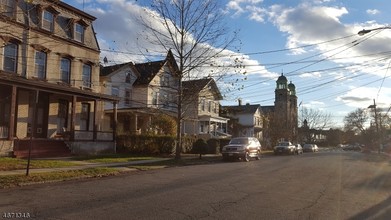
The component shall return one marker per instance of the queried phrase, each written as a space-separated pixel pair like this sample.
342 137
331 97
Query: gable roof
145 71
107 70
148 71
241 109
268 109
195 87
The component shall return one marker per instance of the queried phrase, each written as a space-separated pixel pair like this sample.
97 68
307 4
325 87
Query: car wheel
258 155
247 157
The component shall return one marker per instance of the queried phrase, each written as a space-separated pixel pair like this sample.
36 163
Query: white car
310 148
244 148
285 147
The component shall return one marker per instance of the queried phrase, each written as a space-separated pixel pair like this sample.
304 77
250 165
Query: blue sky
313 42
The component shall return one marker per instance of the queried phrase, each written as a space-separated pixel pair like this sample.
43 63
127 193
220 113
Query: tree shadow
379 211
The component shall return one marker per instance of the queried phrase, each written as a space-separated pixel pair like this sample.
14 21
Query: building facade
201 107
49 78
146 90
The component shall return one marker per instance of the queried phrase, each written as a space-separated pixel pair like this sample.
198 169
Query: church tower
285 109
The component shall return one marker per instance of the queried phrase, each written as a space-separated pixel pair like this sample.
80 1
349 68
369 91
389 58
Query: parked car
244 148
352 147
310 148
299 149
285 147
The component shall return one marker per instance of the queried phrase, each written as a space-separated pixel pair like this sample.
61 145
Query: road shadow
368 157
379 211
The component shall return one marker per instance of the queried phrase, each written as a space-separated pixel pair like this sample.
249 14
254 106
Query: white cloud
251 7
373 11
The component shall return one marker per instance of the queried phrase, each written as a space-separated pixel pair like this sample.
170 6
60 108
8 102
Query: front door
41 114
62 116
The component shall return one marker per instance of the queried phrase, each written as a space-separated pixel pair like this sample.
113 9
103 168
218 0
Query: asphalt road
324 185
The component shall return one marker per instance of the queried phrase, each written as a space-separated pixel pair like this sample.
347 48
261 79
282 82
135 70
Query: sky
314 43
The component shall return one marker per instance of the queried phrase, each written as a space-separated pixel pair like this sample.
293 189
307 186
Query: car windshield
239 141
284 144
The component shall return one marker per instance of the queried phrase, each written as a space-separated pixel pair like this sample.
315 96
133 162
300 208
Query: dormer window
7 8
79 32
47 21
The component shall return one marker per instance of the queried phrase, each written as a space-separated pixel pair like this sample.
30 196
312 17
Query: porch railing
89 135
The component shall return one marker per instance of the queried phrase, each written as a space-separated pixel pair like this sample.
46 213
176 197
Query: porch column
73 118
95 128
12 115
134 124
115 121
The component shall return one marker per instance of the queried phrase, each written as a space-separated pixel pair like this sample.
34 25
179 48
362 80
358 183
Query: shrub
145 144
213 146
200 147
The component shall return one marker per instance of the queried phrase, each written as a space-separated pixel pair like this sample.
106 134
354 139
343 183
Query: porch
38 111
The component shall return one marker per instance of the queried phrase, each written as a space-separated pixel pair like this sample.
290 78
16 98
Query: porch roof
212 118
21 82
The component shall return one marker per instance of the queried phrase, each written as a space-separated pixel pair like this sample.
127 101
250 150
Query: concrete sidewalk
80 167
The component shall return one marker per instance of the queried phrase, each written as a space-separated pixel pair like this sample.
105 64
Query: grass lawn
19 180
7 163
114 158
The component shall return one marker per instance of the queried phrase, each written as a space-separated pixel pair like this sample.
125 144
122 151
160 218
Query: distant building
201 104
245 120
282 117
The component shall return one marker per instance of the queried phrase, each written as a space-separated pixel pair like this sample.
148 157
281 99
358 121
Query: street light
364 31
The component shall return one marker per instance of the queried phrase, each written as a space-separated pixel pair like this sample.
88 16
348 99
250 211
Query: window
65 70
7 7
40 64
86 77
79 32
128 96
115 91
166 101
47 21
10 57
128 77
202 104
210 106
164 80
155 98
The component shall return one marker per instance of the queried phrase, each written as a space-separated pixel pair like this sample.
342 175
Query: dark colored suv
244 148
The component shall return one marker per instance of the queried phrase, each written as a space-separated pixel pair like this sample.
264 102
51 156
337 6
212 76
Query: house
201 104
50 96
245 120
146 90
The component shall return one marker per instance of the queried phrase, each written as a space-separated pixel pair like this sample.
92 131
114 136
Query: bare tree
196 34
315 119
355 121
313 122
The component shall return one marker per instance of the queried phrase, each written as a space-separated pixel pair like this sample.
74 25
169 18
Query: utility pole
378 139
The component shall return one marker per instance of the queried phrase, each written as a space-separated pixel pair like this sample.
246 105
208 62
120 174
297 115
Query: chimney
240 102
